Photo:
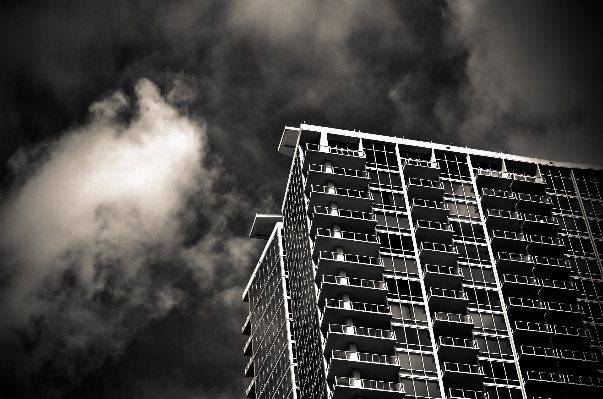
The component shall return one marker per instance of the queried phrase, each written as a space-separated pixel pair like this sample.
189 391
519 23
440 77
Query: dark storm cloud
502 76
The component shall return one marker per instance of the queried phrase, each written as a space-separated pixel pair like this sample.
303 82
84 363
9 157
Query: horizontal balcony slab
438 234
421 169
357 201
525 309
507 221
543 387
425 191
520 286
528 184
344 178
576 390
531 334
534 204
546 249
517 264
542 227
369 365
442 277
514 244
339 314
501 200
324 218
453 325
492 179
457 353
543 359
331 263
358 245
339 337
366 389
317 155
449 304
570 337
370 294
435 256
565 317
431 211
462 379
571 365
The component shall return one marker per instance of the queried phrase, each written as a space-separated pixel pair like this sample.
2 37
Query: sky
139 138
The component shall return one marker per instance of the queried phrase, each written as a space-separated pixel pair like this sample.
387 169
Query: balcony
250 391
433 232
540 383
459 393
531 333
369 364
521 286
351 388
420 169
543 359
366 339
457 349
563 313
324 217
568 337
514 263
356 243
551 267
358 266
425 189
369 314
429 210
583 386
361 201
535 204
555 289
462 375
571 361
492 179
444 300
349 178
542 245
318 154
452 324
527 184
498 199
525 309
249 369
508 241
247 350
438 254
246 329
503 220
442 276
368 290
540 225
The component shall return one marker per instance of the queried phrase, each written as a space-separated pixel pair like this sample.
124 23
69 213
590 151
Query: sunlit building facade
400 268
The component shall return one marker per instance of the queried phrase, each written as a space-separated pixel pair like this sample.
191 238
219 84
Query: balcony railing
356 265
543 260
490 173
367 384
541 199
540 218
532 326
526 178
504 214
569 330
446 270
462 368
362 331
420 162
341 257
526 302
576 355
443 292
338 171
499 193
510 235
452 317
352 281
434 246
460 393
537 351
432 225
544 240
334 150
361 306
365 357
458 342
347 235
325 210
428 204
341 191
425 183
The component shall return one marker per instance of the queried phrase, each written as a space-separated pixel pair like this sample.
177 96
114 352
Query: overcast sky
138 139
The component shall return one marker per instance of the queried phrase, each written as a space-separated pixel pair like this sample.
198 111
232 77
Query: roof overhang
289 141
263 225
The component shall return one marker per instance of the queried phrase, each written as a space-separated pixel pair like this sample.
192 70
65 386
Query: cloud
92 242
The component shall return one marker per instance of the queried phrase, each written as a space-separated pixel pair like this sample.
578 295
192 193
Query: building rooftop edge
443 147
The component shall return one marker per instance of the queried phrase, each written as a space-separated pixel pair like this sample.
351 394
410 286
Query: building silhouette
400 268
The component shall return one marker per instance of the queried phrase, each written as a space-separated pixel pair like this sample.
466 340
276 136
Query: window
388 200
486 165
494 346
572 224
488 322
558 180
458 189
566 205
380 155
477 275
416 362
522 170
463 209
589 289
593 208
471 253
596 227
483 299
596 332
421 387
409 312
413 338
500 372
468 231
584 267
409 290
590 184
453 165
400 266
342 144
578 245
593 311
385 180
396 243
415 155
390 220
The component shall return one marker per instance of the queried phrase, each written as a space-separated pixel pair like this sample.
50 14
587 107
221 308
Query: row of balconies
509 181
511 201
536 309
527 223
515 263
532 287
510 241
556 385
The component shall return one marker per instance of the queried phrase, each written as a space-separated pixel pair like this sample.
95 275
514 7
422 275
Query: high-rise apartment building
401 268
